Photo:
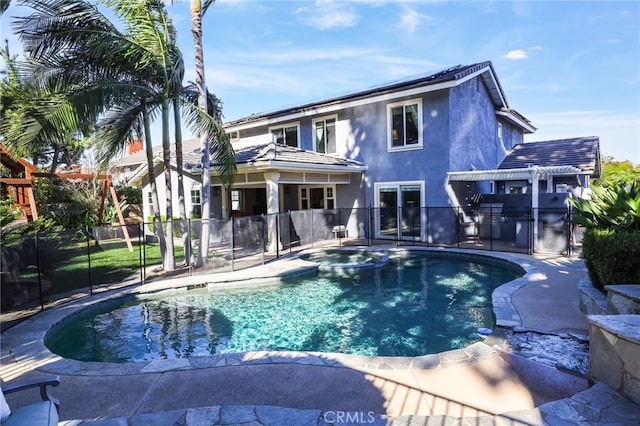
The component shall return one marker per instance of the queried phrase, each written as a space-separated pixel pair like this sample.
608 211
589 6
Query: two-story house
398 148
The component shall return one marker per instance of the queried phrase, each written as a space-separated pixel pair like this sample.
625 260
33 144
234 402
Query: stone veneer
592 301
623 299
614 353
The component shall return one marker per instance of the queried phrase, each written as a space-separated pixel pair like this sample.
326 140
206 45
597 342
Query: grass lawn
70 267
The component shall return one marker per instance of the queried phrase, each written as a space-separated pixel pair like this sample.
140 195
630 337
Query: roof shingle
582 152
274 153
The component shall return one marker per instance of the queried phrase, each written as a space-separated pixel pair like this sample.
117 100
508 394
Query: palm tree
127 78
35 120
197 11
97 69
150 27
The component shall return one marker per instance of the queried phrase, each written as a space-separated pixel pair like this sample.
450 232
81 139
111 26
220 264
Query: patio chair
44 412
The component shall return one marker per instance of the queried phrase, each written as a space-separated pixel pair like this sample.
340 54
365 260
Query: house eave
325 108
525 125
290 166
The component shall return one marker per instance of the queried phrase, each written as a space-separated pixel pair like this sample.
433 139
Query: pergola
533 175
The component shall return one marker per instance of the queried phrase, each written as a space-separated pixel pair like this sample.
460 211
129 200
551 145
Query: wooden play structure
19 187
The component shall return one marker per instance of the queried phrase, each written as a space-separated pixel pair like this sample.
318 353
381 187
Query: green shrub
133 195
7 213
615 207
611 245
612 256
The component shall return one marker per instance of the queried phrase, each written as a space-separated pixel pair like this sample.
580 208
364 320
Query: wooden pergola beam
16 181
70 175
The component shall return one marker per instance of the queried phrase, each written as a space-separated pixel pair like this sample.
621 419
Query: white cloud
410 20
516 55
327 15
296 56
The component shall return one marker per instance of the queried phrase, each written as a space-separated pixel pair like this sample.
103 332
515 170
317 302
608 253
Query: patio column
273 196
273 206
535 194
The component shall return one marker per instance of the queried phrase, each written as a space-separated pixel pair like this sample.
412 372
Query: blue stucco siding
511 136
368 136
459 133
473 128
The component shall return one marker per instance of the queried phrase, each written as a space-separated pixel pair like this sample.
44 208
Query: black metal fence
39 271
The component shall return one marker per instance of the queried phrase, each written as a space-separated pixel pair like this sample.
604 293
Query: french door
398 210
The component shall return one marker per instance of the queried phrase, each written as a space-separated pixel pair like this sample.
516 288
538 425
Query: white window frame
150 203
286 126
329 196
193 192
397 185
236 200
403 104
335 126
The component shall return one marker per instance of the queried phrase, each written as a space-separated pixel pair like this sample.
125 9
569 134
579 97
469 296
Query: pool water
416 305
345 259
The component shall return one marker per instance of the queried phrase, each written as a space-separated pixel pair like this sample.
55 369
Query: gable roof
276 155
582 153
447 78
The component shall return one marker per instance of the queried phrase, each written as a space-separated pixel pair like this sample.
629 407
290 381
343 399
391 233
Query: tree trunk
155 201
196 29
169 262
54 158
184 225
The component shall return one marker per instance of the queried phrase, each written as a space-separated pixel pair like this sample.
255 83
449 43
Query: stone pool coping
25 341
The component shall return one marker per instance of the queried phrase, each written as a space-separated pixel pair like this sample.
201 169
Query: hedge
612 257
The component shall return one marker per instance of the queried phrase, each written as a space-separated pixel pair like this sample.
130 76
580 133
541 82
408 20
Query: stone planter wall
614 336
623 299
614 348
592 300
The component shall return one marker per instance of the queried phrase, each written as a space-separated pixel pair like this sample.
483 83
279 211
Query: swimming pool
420 303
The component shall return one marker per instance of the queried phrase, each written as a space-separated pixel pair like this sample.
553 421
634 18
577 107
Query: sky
571 67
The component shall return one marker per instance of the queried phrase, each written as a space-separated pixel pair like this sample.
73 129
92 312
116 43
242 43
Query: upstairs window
286 135
324 135
405 124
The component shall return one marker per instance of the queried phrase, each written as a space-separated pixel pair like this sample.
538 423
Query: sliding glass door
388 224
398 207
410 212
